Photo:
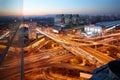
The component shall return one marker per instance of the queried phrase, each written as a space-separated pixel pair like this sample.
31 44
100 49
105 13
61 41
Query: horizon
53 15
50 7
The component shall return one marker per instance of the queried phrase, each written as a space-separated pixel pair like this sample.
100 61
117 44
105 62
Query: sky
11 7
44 7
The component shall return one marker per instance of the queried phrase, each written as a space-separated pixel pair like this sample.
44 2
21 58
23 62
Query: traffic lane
31 58
14 71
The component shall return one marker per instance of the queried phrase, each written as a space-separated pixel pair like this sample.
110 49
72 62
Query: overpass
93 57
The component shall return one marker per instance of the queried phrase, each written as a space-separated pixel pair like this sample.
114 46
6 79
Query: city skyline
44 7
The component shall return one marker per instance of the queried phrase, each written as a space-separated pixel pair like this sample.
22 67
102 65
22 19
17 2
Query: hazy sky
11 7
43 7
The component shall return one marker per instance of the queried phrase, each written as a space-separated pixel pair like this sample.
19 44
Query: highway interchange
53 50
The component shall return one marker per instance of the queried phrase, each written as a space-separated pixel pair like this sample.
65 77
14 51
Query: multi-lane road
91 55
36 58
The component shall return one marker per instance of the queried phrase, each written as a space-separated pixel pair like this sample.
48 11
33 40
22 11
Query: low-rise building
91 30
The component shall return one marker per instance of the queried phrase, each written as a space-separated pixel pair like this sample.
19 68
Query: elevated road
31 62
33 57
97 54
87 69
105 36
92 56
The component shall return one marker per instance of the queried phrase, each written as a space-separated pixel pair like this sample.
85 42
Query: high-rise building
67 20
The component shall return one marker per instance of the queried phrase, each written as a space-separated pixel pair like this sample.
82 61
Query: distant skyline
45 7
